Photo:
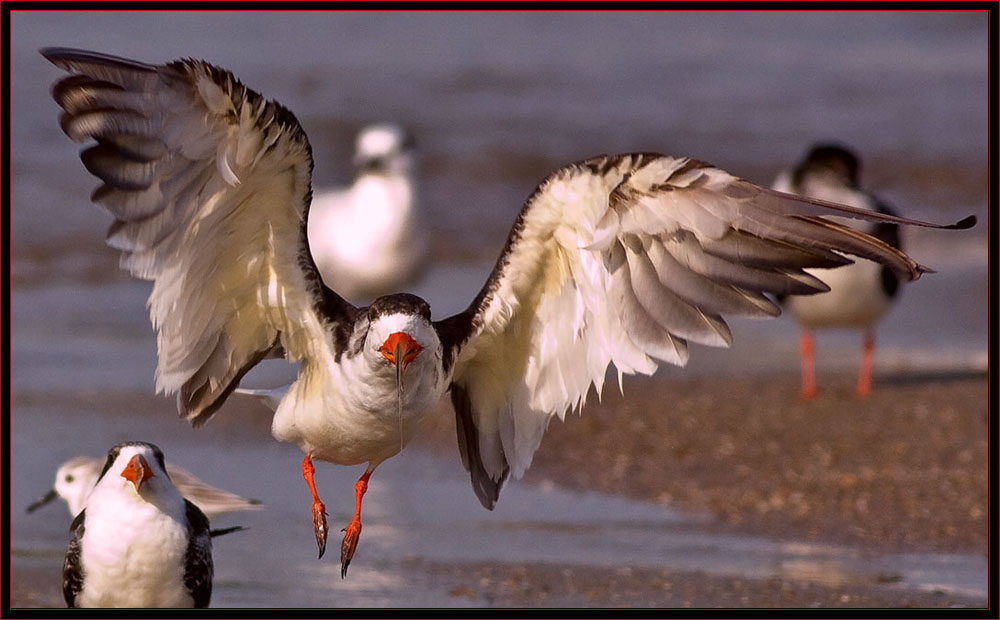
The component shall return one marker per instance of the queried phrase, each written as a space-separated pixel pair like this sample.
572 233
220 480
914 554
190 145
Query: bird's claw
320 526
351 534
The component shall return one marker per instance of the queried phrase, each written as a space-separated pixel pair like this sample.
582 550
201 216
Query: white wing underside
624 261
208 183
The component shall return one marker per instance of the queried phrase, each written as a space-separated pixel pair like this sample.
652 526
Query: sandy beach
904 470
711 486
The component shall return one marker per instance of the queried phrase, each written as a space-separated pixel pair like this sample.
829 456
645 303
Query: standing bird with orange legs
860 294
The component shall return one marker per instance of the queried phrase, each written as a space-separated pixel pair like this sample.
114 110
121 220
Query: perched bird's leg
808 368
867 361
318 508
353 529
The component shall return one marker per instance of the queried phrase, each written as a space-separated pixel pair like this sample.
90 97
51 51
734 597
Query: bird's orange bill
137 471
400 349
400 346
398 353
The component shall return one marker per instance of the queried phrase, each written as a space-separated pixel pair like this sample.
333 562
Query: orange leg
353 529
318 509
867 361
808 367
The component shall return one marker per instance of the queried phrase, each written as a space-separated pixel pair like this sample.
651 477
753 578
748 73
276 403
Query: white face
379 141
385 143
414 326
74 481
157 480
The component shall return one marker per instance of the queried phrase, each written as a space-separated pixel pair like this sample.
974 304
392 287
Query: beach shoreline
904 470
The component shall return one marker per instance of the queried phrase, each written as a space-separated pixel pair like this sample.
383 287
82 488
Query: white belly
134 559
855 299
336 418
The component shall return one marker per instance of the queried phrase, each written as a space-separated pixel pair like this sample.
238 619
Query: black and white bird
368 239
621 260
138 543
76 477
860 294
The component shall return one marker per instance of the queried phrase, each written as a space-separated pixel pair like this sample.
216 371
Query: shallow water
496 101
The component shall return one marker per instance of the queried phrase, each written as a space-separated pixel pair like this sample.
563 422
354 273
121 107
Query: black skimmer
368 239
615 259
76 477
860 294
138 543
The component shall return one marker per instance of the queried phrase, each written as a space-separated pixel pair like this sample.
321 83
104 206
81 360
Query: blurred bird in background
860 294
368 239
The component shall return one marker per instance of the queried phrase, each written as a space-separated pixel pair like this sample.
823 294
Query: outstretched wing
625 260
209 184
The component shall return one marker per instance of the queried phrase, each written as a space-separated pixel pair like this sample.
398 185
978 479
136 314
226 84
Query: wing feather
199 568
209 184
624 260
72 577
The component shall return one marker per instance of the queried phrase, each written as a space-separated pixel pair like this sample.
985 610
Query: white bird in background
138 543
76 478
860 294
368 239
618 260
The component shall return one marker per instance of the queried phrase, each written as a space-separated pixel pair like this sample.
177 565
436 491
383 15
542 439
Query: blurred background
496 102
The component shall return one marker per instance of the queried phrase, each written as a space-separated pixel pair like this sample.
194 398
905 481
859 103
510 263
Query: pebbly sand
903 470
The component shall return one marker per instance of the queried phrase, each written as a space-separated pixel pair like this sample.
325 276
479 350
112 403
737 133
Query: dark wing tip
963 224
63 56
225 530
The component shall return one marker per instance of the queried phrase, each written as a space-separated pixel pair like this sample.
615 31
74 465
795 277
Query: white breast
365 238
133 553
347 414
856 298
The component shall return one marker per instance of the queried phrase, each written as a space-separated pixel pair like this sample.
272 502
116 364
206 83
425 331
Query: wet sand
903 470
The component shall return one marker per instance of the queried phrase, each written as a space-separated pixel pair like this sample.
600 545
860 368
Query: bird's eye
69 478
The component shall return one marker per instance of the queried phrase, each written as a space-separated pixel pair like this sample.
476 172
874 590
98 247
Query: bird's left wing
625 260
199 568
209 184
208 498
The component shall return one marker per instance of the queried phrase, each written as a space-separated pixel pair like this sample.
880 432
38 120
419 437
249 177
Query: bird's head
400 333
383 149
137 462
829 163
74 480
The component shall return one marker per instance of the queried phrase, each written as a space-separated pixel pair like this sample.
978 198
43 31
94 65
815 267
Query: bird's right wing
210 185
625 260
72 564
